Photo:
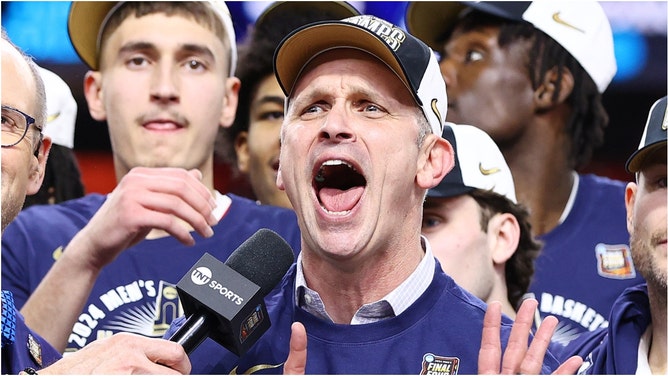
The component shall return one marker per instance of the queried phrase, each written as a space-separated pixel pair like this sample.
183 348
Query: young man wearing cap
24 155
256 128
162 79
360 146
531 75
477 231
635 341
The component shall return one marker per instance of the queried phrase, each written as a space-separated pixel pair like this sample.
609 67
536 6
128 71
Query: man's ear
544 94
38 166
629 202
505 234
230 101
93 94
241 149
436 160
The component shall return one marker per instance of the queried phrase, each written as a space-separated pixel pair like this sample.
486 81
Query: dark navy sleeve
21 347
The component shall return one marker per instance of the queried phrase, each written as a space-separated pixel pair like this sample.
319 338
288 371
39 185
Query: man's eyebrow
195 49
198 49
136 46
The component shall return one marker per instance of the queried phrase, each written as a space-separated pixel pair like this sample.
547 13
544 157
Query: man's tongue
337 200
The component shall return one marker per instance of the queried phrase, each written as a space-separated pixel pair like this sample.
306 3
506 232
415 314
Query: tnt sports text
224 291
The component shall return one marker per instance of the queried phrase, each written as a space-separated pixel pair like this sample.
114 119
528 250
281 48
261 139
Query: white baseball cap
581 27
61 108
479 164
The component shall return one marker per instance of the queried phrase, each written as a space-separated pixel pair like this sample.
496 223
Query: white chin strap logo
201 275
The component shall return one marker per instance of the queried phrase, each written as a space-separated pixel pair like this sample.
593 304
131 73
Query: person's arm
126 354
145 199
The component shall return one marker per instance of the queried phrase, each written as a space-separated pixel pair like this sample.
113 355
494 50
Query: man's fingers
296 362
569 367
517 359
516 349
162 198
489 357
533 360
163 211
178 182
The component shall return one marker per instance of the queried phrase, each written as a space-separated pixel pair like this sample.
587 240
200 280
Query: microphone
225 301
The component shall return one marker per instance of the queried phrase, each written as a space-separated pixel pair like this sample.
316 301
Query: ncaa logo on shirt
201 276
439 365
614 261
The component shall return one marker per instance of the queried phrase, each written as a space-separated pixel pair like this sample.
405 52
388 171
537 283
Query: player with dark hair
531 74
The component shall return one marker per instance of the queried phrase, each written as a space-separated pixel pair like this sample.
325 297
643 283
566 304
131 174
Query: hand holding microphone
225 301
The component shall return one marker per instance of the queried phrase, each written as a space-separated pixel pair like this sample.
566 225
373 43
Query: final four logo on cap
408 57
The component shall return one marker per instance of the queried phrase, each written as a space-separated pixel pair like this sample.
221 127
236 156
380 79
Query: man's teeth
337 162
341 213
333 162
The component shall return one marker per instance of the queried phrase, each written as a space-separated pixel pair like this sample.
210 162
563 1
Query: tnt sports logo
385 30
439 365
201 276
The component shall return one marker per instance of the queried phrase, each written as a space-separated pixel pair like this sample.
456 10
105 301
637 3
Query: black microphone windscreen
264 258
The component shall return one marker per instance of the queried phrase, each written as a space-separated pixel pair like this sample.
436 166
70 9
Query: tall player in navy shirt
532 74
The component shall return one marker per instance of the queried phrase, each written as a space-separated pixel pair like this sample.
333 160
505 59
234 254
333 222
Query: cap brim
445 190
83 25
429 20
635 161
301 46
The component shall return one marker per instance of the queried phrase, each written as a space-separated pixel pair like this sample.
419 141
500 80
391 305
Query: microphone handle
193 331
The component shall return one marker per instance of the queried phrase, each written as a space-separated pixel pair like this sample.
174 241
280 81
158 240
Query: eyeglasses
15 124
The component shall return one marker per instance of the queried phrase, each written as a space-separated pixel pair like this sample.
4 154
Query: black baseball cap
653 137
408 57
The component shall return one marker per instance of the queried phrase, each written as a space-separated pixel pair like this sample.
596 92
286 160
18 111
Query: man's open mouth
339 186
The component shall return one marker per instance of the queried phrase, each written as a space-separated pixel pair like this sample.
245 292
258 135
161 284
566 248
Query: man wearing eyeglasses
24 155
24 148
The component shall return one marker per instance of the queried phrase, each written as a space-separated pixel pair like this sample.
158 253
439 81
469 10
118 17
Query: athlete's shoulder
52 223
84 207
605 183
